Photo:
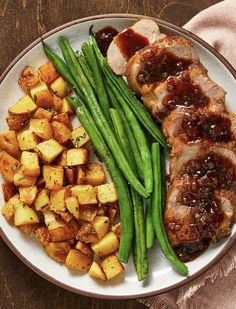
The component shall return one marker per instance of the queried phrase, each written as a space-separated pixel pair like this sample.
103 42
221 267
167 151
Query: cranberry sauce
104 38
190 251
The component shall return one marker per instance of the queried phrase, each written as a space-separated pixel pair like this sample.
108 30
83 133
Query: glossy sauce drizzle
104 38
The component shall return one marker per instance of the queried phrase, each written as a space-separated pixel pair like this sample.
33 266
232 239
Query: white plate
162 276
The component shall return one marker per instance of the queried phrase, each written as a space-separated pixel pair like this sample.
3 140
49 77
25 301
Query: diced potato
42 96
60 87
101 210
117 229
86 194
63 216
49 150
57 102
8 143
48 72
87 212
25 215
42 113
72 205
101 225
66 108
53 176
66 232
26 228
96 271
9 208
87 234
18 122
61 159
30 163
24 105
42 200
27 140
92 173
107 193
81 246
77 156
8 166
107 245
28 194
57 199
51 221
63 118
78 260
111 213
61 132
42 128
70 174
20 179
79 137
112 266
28 79
58 251
42 233
9 190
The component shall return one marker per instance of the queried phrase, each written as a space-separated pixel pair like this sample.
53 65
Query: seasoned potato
66 108
8 143
8 166
77 156
79 137
70 174
42 200
112 266
42 128
66 232
63 118
23 106
58 251
48 72
25 215
92 173
85 248
9 190
107 193
30 163
101 210
51 222
86 194
42 233
9 208
87 212
53 176
57 199
117 229
20 179
26 228
101 225
111 213
61 132
87 234
28 194
72 205
57 103
96 271
63 216
49 150
107 245
78 260
61 159
18 122
42 113
27 140
60 87
28 79
42 96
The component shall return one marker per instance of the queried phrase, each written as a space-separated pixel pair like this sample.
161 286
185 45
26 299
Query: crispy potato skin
9 190
58 251
78 260
42 233
18 122
8 143
28 79
8 166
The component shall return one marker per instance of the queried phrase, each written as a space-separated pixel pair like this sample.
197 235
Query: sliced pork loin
184 125
158 61
129 41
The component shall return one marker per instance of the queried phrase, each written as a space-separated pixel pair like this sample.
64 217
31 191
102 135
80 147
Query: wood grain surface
21 22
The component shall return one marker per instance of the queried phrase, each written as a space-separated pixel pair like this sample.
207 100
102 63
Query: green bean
125 205
163 180
150 233
157 214
87 71
99 118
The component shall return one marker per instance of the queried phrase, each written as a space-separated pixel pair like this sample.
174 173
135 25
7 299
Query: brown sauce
190 251
104 38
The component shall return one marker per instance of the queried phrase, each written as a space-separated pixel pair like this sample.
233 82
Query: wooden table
21 22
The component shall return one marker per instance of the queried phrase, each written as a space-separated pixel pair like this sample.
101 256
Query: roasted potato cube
63 216
61 159
87 234
28 194
57 102
101 210
79 137
42 200
58 251
117 229
18 122
8 143
27 140
9 190
25 215
28 79
66 108
30 163
26 228
72 205
8 166
57 199
42 128
107 193
77 156
51 221
20 179
61 132
111 213
112 267
42 113
70 174
66 232
84 248
54 176
78 260
23 106
9 208
101 225
86 194
107 245
42 96
63 118
42 233
96 271
92 173
48 72
60 87
49 150
87 212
